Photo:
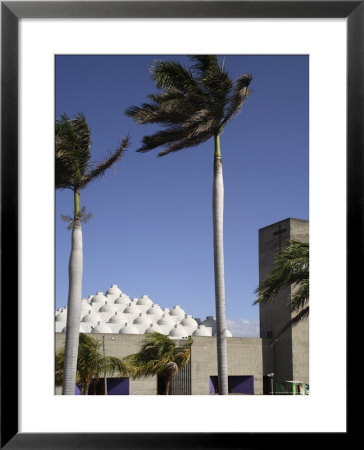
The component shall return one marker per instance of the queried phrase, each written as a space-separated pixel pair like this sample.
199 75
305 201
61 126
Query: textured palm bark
218 213
170 371
75 269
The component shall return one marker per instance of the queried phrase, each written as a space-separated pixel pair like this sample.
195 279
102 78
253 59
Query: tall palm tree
193 105
290 269
159 356
91 364
74 171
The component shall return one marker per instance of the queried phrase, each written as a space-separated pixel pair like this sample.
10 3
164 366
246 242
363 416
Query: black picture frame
11 12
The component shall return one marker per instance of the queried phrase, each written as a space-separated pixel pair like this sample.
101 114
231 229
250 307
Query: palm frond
162 138
171 107
300 297
185 143
204 64
194 103
214 81
290 267
171 74
158 355
182 357
175 138
72 152
294 321
83 216
100 168
290 270
237 98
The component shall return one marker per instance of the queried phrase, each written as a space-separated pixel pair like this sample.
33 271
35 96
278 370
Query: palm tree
194 104
74 171
91 364
290 269
159 356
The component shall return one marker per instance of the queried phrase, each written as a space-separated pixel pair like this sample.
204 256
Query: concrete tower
288 358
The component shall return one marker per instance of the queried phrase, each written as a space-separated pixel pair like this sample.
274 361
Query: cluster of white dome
115 312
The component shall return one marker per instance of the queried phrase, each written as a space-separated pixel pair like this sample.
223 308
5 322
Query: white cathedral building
115 312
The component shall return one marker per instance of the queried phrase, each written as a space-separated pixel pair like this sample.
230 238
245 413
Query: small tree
91 364
159 355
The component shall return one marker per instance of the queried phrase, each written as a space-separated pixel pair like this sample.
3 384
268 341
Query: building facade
121 324
288 359
197 378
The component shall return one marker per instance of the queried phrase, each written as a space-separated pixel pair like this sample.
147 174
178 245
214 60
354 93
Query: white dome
228 333
144 300
165 320
113 290
108 308
122 300
155 310
201 331
178 332
99 298
131 309
85 306
129 329
92 316
141 319
61 316
153 328
189 321
177 311
101 328
116 318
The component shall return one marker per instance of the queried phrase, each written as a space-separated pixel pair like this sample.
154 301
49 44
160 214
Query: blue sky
151 230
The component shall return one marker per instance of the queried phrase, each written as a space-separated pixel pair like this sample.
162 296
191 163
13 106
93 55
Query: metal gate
181 383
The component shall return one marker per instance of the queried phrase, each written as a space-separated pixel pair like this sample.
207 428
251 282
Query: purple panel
77 390
118 386
213 384
242 384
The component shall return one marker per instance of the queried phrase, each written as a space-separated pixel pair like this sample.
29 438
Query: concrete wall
120 346
288 359
300 352
300 332
244 358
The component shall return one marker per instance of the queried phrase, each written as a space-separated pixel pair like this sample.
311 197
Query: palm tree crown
159 356
73 169
290 269
193 104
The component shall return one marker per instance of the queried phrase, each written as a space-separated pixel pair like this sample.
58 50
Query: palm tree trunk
168 385
75 269
218 213
87 387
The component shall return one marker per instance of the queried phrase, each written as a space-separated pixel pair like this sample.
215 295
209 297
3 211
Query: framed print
31 34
